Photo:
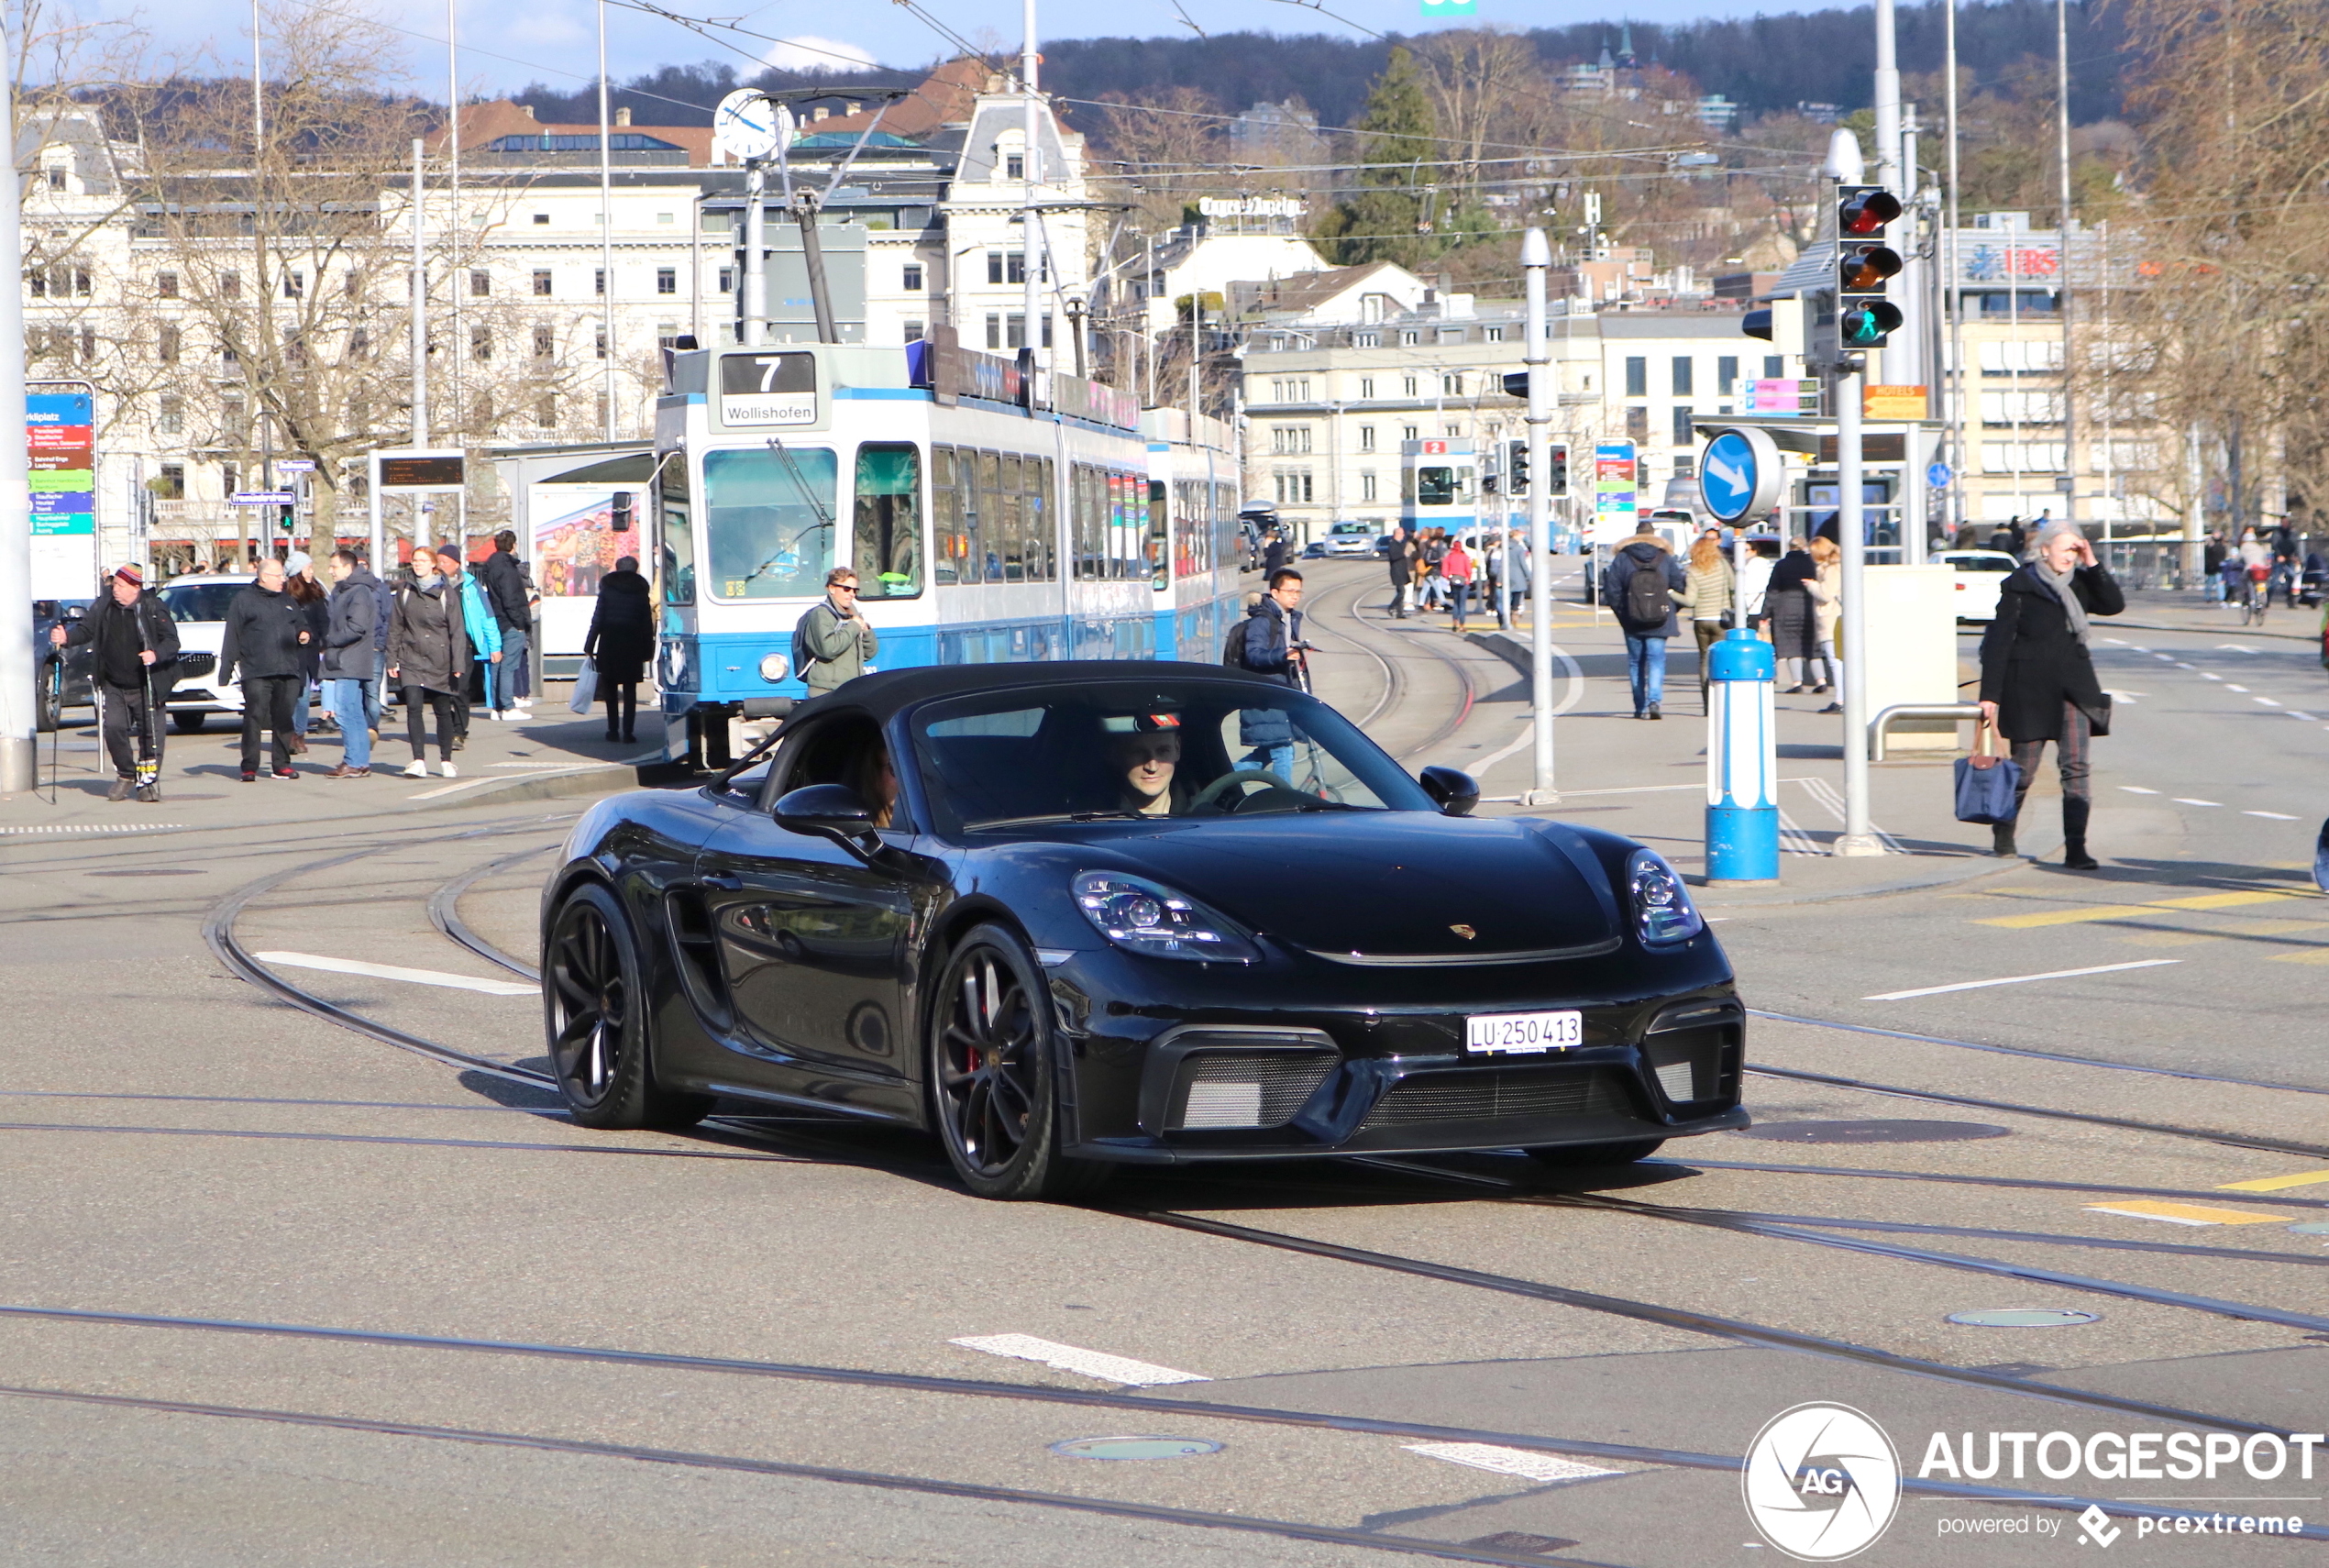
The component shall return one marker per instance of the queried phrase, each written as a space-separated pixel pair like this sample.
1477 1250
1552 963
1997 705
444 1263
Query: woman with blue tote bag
2037 676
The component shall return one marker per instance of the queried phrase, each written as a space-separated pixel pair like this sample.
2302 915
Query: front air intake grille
1694 1065
1488 1095
1250 1089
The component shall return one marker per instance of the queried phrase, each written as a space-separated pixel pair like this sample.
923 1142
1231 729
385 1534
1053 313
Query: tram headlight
774 667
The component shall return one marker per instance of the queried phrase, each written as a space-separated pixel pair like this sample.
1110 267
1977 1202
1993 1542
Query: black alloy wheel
48 703
1579 1156
994 1073
595 1008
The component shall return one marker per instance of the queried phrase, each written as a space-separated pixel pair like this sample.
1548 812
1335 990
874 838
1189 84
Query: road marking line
2187 800
2205 675
2138 790
2180 665
2276 816
2187 1213
2318 956
2020 979
2275 1183
395 972
1091 1363
2242 689
2066 917
454 788
1519 1462
2237 647
2267 702
2294 714
2124 912
132 827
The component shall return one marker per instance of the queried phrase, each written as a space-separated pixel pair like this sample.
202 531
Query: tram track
219 930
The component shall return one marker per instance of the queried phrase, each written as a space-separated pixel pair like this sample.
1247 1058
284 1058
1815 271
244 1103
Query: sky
504 47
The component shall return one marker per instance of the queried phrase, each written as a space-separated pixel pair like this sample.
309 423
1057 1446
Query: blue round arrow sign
1737 476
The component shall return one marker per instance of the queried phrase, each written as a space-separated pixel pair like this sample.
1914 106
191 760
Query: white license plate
1522 1034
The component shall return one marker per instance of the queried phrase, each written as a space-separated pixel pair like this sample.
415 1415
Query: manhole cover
2025 1317
1135 1448
1873 1132
2311 1228
1520 1541
150 871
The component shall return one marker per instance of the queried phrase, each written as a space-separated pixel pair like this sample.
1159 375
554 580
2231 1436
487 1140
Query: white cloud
808 53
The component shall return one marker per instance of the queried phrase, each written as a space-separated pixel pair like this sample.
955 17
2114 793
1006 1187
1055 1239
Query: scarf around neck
2060 584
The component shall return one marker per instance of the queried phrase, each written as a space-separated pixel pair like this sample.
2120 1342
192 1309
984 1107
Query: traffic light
287 521
1864 264
621 522
1557 468
1516 464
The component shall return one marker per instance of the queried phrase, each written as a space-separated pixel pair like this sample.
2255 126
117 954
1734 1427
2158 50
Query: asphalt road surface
335 1282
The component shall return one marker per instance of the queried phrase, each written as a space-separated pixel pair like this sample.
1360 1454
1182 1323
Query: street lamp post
1536 261
17 747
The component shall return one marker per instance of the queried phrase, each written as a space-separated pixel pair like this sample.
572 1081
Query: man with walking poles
137 663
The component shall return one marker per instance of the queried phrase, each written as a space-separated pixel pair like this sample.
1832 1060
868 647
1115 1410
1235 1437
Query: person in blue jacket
484 631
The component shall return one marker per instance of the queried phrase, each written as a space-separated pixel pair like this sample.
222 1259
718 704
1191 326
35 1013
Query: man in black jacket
265 628
137 663
503 577
1401 557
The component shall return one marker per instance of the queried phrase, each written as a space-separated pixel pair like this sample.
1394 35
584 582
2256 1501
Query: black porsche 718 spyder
1074 915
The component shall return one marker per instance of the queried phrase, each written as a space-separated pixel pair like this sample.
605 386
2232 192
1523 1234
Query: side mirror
76 612
1454 791
827 810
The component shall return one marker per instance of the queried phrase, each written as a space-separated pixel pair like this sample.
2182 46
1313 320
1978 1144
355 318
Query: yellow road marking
2276 1183
2318 956
2127 912
2188 1213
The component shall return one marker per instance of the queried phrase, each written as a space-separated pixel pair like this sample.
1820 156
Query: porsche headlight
1142 916
1663 914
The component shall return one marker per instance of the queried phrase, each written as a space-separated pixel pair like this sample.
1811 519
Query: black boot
2001 839
2074 815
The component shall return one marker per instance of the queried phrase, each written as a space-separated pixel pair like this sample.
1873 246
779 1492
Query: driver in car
1144 753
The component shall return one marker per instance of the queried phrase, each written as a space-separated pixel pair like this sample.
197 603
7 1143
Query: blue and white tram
990 514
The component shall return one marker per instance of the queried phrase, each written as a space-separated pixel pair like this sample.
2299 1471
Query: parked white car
1351 539
1980 575
199 606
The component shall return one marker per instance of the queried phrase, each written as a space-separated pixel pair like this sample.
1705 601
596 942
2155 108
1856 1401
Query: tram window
1042 528
768 515
1159 529
945 516
888 539
1086 522
1012 546
676 563
994 517
1437 487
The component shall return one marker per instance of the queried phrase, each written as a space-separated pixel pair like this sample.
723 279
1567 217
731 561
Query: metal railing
1879 727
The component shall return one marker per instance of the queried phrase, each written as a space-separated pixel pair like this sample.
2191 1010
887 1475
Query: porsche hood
1402 888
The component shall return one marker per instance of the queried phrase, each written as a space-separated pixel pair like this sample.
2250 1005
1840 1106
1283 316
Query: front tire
993 1059
189 722
1584 1156
595 1012
48 707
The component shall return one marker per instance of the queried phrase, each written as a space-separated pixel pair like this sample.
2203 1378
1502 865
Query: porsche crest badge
1463 930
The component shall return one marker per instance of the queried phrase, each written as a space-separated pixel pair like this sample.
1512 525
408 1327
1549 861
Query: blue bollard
1742 761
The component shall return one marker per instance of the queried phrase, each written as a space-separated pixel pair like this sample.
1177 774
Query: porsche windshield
1147 749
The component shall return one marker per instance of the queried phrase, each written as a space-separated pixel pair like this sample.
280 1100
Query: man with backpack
1269 642
1642 584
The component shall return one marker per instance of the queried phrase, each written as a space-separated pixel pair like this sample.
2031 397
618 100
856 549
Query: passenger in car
875 782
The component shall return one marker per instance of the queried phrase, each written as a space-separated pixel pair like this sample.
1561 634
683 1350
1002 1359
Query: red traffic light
1863 269
1864 209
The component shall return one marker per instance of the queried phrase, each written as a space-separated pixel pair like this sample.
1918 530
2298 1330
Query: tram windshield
769 521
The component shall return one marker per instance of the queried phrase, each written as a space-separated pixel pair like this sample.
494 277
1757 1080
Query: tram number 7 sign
768 389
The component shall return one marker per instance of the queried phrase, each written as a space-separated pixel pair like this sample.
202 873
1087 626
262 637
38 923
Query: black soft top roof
891 692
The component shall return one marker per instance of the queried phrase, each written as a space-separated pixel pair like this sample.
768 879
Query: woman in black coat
1794 626
2038 678
621 641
